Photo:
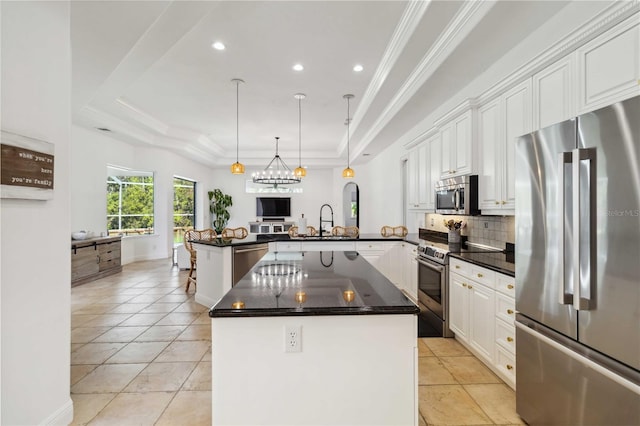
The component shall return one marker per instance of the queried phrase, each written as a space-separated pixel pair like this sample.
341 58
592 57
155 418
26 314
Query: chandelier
276 173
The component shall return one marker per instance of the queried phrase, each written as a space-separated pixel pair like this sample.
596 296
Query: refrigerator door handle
566 294
584 234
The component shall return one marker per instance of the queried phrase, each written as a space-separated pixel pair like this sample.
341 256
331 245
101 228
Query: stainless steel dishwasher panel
245 257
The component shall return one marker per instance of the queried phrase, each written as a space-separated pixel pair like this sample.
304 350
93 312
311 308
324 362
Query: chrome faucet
325 221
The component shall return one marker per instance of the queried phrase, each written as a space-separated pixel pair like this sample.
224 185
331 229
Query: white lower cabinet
482 313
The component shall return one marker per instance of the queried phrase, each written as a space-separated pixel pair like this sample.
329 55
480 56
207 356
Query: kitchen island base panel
352 370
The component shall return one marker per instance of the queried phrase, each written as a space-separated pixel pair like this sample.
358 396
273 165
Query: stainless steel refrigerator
578 270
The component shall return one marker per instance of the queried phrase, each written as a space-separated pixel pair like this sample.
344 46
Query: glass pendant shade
300 172
348 173
237 168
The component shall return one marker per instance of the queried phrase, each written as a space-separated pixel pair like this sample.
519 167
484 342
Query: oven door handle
432 266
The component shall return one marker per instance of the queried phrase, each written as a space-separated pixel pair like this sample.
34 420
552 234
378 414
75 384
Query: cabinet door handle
470 287
480 275
504 202
457 266
464 284
497 203
509 367
509 339
98 259
510 312
510 286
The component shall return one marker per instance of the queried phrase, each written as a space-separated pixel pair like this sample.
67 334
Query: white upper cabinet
457 149
500 122
435 161
553 94
421 161
418 177
609 67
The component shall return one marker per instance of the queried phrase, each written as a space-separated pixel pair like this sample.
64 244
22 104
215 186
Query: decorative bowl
80 235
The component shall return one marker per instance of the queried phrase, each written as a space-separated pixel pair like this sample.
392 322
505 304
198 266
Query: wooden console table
94 258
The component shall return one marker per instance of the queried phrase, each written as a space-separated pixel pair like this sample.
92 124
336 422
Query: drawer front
110 254
371 245
286 246
460 267
329 246
109 263
506 336
506 363
483 276
506 285
505 308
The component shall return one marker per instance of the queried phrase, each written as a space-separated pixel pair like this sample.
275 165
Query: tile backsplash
492 231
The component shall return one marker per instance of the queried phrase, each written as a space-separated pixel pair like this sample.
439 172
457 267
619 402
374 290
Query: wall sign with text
27 167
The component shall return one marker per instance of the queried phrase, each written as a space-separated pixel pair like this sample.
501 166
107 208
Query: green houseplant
218 205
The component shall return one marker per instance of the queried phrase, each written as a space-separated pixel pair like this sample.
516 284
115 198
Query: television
273 207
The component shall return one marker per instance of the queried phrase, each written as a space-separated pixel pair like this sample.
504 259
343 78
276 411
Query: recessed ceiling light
298 67
358 68
218 45
366 154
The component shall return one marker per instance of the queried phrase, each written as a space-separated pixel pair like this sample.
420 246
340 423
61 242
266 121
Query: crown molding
466 19
421 137
407 25
600 23
141 117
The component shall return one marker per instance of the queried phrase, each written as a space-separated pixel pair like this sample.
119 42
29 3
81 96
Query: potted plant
218 204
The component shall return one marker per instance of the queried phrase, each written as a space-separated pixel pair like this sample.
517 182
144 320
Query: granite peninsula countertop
502 262
267 238
270 288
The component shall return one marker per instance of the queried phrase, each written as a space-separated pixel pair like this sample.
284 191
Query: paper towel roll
302 226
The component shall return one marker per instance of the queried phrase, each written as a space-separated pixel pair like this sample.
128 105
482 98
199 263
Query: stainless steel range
433 295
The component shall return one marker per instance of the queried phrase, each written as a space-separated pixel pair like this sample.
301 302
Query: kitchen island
314 338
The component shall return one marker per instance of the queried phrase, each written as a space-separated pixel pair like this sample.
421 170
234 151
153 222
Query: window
184 207
129 201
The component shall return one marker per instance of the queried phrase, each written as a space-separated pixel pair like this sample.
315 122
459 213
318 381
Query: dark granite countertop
267 238
502 262
270 288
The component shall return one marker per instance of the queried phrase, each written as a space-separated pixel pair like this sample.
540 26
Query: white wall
92 151
35 289
318 188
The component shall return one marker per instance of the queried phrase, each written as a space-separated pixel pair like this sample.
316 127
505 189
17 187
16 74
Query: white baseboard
62 416
204 300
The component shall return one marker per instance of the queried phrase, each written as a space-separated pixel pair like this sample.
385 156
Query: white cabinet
459 306
481 319
410 269
434 169
609 67
471 314
373 252
456 140
553 93
420 194
482 313
500 122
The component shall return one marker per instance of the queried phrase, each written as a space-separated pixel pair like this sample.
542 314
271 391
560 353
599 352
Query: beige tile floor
141 355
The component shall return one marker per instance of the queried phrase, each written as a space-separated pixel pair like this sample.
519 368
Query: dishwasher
245 257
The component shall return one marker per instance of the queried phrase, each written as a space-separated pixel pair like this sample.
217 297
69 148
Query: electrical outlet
293 338
486 225
432 222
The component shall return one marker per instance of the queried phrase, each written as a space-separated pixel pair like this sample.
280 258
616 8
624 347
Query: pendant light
348 172
300 171
237 168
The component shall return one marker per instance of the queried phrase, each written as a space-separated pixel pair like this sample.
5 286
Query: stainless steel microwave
458 195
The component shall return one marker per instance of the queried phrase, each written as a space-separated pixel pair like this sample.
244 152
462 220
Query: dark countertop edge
283 312
484 265
411 239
